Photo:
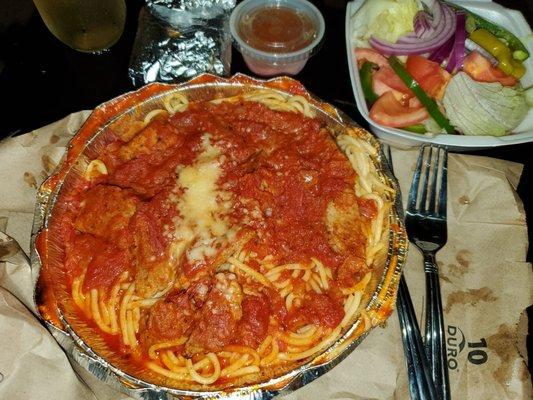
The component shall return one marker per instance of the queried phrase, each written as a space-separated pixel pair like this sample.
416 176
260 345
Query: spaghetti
226 237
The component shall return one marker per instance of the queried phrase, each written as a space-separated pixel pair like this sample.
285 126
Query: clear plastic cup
276 36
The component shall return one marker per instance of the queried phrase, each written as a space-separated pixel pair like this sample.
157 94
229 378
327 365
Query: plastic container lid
277 31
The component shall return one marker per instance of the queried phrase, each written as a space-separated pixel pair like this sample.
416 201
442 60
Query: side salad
427 66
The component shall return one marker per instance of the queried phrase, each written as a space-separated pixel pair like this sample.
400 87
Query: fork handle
435 337
421 384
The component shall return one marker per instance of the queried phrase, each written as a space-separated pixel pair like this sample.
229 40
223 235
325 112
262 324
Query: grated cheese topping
202 225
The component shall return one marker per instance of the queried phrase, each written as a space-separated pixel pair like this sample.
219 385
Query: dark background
42 80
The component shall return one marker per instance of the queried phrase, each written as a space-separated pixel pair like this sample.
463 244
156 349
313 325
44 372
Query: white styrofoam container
512 20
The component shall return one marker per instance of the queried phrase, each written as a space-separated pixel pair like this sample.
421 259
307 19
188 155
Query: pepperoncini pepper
500 51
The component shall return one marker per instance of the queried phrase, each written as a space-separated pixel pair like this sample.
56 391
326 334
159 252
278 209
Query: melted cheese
203 208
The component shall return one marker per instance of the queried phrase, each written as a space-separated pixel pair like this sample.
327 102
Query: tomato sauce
289 168
147 162
253 326
367 208
318 309
107 264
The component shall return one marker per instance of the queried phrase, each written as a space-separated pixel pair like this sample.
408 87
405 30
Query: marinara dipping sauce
276 37
280 29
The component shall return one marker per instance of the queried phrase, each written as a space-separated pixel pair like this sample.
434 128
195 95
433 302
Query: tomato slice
384 79
362 54
388 77
388 111
415 103
380 88
481 70
429 74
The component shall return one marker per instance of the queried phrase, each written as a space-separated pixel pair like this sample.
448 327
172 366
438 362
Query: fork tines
431 167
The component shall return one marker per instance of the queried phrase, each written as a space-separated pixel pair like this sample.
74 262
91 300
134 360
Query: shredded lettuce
384 19
528 93
479 108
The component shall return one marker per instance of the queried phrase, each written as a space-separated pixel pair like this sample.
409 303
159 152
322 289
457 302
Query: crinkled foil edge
379 306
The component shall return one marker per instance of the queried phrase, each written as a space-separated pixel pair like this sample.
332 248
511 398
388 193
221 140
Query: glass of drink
85 25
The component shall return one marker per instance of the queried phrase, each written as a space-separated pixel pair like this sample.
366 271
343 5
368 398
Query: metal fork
426 227
421 385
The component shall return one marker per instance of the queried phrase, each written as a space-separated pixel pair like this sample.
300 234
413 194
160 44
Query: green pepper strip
475 21
366 82
428 102
417 128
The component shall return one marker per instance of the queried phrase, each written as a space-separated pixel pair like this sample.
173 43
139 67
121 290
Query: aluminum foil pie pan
120 113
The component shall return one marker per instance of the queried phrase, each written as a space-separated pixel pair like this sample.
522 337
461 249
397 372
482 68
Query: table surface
42 80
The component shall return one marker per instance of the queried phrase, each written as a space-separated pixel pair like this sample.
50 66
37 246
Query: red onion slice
459 50
443 52
421 23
